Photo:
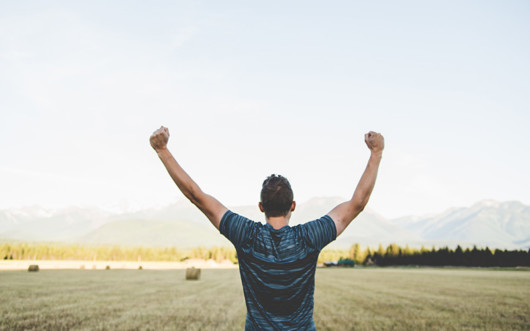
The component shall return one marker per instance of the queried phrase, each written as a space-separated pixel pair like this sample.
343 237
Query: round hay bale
33 268
107 267
193 273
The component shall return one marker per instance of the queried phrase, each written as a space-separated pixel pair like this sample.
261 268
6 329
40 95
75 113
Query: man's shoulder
325 220
319 232
237 228
230 216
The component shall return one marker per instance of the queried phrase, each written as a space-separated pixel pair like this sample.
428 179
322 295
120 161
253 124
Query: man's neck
278 222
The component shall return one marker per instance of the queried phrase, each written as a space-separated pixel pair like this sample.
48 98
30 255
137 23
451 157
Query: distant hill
487 223
38 224
182 234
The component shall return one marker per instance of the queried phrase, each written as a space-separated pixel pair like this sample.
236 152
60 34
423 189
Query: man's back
277 269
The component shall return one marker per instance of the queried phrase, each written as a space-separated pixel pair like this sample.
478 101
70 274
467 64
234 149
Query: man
277 262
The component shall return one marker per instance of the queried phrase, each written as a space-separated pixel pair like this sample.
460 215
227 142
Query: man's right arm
209 206
344 213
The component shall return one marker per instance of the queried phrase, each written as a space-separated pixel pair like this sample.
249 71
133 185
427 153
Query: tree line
27 251
391 255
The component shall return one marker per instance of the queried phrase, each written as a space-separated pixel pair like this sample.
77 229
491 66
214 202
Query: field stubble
345 299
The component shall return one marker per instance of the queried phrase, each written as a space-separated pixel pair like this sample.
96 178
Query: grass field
345 299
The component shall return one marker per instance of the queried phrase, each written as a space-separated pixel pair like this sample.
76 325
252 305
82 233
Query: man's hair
276 196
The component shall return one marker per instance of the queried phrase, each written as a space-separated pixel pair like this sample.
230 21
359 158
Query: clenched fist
375 141
159 139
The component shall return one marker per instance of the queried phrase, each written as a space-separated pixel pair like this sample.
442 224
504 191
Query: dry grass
120 300
422 299
345 299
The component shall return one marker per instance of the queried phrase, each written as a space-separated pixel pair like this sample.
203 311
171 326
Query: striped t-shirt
277 268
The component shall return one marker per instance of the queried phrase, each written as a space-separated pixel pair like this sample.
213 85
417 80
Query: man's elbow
357 210
360 208
357 207
352 212
195 196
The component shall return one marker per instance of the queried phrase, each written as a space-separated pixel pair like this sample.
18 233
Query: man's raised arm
210 207
344 213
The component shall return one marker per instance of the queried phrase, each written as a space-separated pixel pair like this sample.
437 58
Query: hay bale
107 267
33 268
140 268
193 273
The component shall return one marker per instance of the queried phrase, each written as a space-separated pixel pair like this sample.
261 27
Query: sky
248 89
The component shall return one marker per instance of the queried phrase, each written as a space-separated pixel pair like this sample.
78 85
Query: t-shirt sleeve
236 228
320 232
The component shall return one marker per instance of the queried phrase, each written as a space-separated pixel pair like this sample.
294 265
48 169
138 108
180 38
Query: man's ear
261 207
293 206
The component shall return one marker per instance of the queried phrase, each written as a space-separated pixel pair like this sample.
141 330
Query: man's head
276 196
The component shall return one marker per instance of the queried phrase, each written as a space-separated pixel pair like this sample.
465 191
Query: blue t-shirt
277 269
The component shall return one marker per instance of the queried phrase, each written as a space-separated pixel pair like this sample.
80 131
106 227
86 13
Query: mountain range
504 225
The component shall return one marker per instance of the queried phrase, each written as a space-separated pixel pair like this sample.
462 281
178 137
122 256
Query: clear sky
253 88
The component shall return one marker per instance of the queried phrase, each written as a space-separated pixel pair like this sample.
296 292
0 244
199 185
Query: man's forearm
184 182
367 182
347 211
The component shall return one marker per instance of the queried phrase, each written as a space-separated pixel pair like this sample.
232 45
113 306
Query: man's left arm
208 205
